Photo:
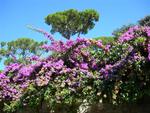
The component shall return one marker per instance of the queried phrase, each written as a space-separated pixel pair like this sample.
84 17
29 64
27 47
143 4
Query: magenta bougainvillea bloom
79 69
84 66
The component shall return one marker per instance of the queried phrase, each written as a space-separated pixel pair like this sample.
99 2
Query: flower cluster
135 32
79 69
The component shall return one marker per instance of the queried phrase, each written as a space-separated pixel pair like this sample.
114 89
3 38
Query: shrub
83 69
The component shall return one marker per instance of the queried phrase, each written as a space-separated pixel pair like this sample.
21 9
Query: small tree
145 21
71 22
20 50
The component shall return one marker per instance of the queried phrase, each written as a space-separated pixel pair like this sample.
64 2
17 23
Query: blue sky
16 14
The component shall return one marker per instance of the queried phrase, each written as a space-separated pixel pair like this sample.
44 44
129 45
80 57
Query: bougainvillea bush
80 70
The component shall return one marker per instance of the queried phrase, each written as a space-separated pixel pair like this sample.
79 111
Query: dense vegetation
81 70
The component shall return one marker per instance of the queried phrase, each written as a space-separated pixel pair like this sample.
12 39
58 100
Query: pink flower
26 71
107 48
58 65
84 66
99 43
148 47
2 75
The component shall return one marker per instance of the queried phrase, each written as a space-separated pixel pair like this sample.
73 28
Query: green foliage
145 21
11 107
71 22
21 48
105 39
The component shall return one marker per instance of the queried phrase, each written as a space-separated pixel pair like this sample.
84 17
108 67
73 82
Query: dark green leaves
21 48
71 22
